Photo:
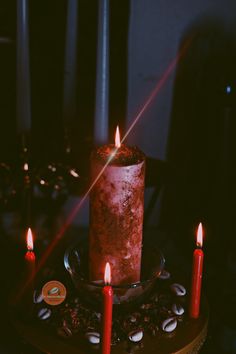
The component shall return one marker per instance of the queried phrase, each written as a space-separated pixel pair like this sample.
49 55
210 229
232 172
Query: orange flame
117 137
107 274
29 240
199 235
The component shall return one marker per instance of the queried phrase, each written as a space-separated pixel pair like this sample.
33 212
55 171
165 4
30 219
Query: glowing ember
29 240
117 138
107 274
199 235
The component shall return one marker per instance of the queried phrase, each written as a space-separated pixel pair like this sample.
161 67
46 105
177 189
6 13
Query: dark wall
188 49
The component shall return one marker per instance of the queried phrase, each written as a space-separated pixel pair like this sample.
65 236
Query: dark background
188 132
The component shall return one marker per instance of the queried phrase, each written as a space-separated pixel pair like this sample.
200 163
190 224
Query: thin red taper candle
198 256
30 263
107 311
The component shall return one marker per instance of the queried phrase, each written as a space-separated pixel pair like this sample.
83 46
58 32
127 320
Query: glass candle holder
76 263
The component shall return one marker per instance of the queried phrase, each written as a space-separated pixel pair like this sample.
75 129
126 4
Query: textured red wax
107 319
195 297
116 214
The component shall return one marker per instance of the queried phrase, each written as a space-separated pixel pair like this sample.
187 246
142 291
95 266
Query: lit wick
117 138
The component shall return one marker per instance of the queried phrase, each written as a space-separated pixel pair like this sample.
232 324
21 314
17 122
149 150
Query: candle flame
117 137
107 274
29 240
199 235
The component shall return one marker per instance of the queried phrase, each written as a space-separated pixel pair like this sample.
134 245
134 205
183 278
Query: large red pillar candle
198 256
116 212
107 311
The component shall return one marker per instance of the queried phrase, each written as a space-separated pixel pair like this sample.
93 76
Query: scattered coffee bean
44 313
177 309
93 337
164 275
136 336
178 289
169 324
37 297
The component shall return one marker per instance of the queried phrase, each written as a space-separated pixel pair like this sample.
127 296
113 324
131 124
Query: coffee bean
169 324
37 297
177 309
136 336
164 275
93 337
44 313
178 289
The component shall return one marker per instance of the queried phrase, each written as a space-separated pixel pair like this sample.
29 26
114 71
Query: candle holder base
76 263
71 328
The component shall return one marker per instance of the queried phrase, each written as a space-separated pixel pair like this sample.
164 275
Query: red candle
107 311
116 212
30 261
198 255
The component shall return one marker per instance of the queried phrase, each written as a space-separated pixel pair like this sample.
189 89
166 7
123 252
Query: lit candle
107 311
102 79
116 212
30 261
198 255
